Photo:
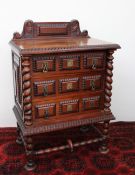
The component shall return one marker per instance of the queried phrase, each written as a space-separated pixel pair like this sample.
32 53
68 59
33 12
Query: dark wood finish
62 79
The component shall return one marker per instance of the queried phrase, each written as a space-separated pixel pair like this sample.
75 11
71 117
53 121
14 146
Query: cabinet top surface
55 37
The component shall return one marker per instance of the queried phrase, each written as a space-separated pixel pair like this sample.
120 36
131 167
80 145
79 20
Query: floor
85 160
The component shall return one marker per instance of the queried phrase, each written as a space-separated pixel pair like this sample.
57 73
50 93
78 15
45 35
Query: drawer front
94 61
44 88
92 82
44 64
69 85
63 86
45 111
91 103
70 106
69 63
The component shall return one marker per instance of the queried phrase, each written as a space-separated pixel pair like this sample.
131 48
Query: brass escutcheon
94 62
92 104
70 63
45 66
92 84
69 108
69 86
45 90
46 113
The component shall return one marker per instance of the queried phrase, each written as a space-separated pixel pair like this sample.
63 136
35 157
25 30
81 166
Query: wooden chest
62 79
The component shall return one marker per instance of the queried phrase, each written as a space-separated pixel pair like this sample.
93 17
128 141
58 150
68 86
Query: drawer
69 85
45 111
94 60
43 64
44 88
69 62
69 106
92 82
91 103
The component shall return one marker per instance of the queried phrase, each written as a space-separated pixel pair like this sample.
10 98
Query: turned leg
19 139
104 147
30 165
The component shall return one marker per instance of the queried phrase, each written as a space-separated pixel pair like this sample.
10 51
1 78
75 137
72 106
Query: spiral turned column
30 165
104 145
26 85
108 83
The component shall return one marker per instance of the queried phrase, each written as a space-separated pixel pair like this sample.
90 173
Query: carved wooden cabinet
62 79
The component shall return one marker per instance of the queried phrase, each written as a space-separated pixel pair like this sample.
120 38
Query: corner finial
16 35
75 29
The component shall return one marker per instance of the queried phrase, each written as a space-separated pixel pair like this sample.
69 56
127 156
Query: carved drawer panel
69 106
68 85
92 82
69 62
45 111
43 64
91 103
44 88
94 60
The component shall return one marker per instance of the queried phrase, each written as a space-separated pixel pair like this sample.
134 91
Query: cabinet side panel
17 81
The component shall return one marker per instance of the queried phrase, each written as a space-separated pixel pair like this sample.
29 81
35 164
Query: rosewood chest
62 79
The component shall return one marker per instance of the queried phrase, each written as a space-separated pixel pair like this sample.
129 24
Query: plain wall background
111 20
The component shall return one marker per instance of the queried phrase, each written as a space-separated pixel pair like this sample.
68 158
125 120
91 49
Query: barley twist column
108 83
104 147
30 165
107 103
26 85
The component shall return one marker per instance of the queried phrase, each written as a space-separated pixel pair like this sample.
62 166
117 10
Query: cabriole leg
104 147
30 165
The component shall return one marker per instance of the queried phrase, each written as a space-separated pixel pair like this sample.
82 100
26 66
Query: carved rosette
26 82
108 83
